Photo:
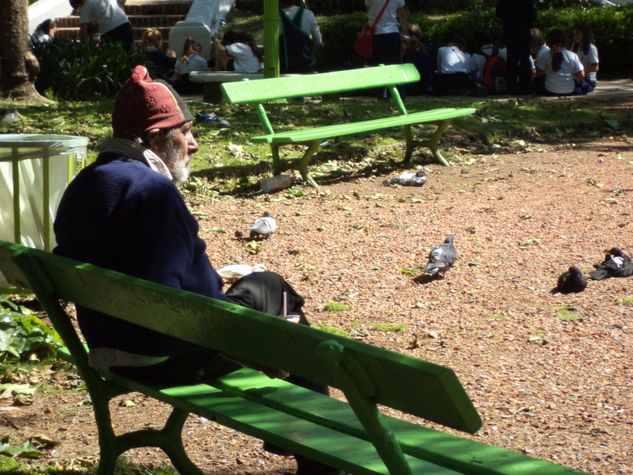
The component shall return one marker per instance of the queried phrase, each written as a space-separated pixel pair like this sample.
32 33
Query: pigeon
441 258
615 264
263 227
571 281
409 179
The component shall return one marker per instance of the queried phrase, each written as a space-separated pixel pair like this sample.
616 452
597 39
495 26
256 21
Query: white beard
178 166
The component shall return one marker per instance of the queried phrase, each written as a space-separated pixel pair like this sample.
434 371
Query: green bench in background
353 436
260 91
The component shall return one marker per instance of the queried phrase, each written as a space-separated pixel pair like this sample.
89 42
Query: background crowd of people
523 61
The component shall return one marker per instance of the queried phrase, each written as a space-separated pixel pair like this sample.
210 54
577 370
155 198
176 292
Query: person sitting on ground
162 60
299 37
453 69
124 212
538 49
486 49
415 52
44 33
562 68
237 52
110 18
191 60
587 52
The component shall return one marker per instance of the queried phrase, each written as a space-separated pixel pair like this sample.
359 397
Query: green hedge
612 28
79 70
443 7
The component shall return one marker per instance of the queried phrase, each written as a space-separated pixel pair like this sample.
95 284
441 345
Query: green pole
46 199
271 38
15 168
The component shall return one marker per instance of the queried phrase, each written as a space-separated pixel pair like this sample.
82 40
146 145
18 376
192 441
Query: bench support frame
101 391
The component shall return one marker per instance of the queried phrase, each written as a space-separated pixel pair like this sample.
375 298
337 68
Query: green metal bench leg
174 447
359 390
303 163
108 445
299 164
432 143
409 143
278 166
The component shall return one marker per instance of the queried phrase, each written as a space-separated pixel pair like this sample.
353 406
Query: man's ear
152 139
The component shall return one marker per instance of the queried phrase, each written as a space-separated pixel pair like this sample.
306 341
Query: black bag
296 50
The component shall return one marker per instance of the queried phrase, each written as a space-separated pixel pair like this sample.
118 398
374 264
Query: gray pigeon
263 227
615 264
441 258
571 281
417 178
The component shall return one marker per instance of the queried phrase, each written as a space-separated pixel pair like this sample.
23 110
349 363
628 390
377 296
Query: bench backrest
261 90
411 385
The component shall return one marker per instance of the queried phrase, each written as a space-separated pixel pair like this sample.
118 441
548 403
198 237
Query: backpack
495 77
296 51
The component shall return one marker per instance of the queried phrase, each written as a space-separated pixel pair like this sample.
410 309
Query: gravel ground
550 374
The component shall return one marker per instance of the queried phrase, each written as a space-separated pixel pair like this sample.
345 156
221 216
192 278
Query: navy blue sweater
120 214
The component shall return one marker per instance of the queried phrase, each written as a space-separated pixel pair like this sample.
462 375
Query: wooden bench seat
353 436
261 91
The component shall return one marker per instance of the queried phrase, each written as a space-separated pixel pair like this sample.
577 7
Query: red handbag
364 45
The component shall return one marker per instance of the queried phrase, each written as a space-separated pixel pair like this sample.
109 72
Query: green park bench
260 91
354 436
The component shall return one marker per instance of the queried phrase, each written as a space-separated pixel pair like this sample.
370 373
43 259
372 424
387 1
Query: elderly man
124 212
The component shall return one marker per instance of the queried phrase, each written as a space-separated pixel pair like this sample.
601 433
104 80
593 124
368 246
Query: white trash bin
34 172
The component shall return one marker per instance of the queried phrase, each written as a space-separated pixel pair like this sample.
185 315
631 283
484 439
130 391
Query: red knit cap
142 105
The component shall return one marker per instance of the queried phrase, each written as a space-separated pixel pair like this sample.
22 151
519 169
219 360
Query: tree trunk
18 65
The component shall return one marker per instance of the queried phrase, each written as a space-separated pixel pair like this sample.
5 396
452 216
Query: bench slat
244 411
425 443
437 447
261 90
320 133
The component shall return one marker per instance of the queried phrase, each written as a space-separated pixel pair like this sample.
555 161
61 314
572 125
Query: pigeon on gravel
441 258
615 264
408 179
571 281
263 227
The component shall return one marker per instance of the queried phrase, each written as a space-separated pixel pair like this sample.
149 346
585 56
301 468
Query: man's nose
192 145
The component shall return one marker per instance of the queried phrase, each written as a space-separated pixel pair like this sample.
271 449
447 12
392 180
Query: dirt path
550 374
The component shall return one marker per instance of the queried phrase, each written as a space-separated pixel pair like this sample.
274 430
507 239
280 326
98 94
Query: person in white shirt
587 52
44 33
110 18
237 52
453 69
562 67
190 61
539 52
387 43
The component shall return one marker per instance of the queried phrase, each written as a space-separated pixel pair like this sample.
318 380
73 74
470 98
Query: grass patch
387 327
228 162
567 313
336 307
332 330
497 316
627 301
414 271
